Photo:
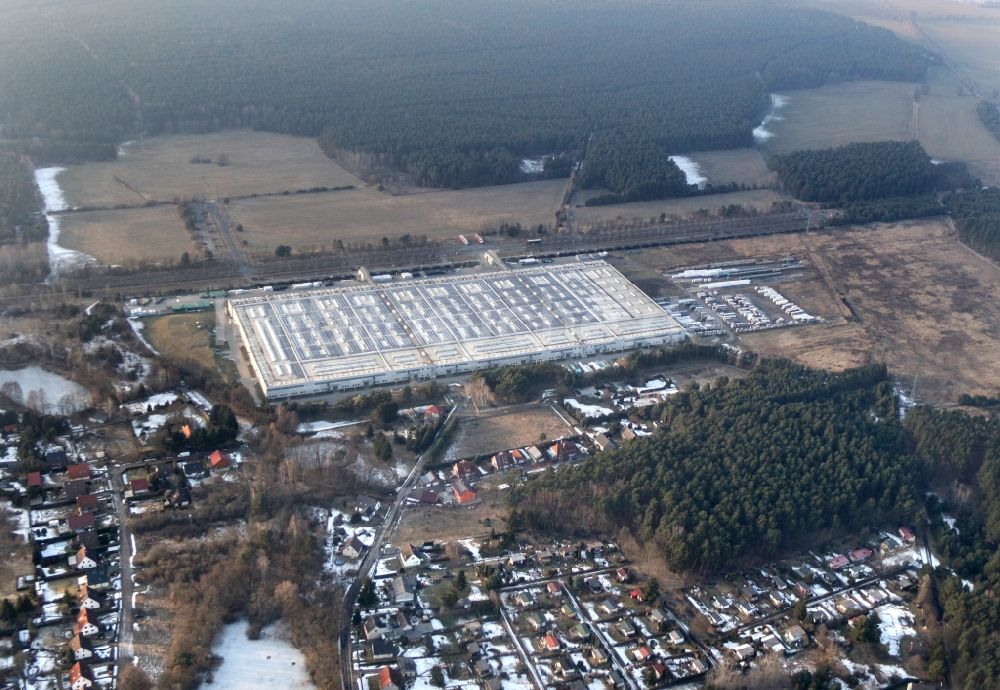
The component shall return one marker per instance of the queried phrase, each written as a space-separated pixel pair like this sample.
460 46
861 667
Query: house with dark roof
81 648
86 624
81 523
85 560
86 503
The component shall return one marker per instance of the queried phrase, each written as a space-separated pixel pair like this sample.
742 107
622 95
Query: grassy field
184 337
972 41
943 120
844 113
758 198
921 301
366 215
488 434
160 168
948 127
127 236
742 166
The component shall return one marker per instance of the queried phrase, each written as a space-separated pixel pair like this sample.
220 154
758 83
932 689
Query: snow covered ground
270 662
587 410
895 623
153 402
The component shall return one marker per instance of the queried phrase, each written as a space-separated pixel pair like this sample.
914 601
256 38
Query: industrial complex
341 338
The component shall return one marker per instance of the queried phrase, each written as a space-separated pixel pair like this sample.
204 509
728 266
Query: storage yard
332 339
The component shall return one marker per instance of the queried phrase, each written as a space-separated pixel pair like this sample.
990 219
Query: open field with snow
160 169
270 662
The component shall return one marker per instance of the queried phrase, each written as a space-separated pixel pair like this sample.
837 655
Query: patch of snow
692 171
587 410
60 258
761 132
268 662
895 623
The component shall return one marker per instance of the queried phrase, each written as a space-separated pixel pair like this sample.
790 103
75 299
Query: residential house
597 656
390 678
602 442
623 575
838 562
553 588
564 667
78 471
218 460
86 624
353 548
861 554
626 628
463 494
403 590
796 636
85 560
744 652
76 487
907 535
659 669
429 497
628 434
535 621
80 676
551 643
34 480
137 487
523 600
374 628
409 558
81 648
80 523
55 459
91 598
515 560
463 469
433 414
565 451
659 618
579 632
408 668
502 461
96 578
675 638
86 503
642 654
535 454
381 651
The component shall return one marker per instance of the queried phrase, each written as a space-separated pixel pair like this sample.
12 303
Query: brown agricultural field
127 236
314 221
492 432
742 166
184 337
842 114
760 199
160 168
917 298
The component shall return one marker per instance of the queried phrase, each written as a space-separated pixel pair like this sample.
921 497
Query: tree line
743 470
20 220
989 115
399 86
976 214
857 172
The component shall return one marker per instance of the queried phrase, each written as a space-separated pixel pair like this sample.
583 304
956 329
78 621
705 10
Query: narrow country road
126 554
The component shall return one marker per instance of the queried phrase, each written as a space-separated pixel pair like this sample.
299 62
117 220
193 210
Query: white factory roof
348 332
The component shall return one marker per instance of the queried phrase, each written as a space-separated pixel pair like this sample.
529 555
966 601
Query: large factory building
312 342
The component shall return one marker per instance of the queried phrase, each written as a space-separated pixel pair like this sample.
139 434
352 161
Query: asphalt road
371 557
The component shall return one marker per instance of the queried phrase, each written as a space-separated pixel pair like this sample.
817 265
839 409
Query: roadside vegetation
977 216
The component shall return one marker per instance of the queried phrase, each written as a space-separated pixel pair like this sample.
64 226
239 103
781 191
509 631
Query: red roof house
79 523
552 642
78 471
907 534
34 479
218 460
390 678
860 554
86 503
838 562
463 494
140 485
